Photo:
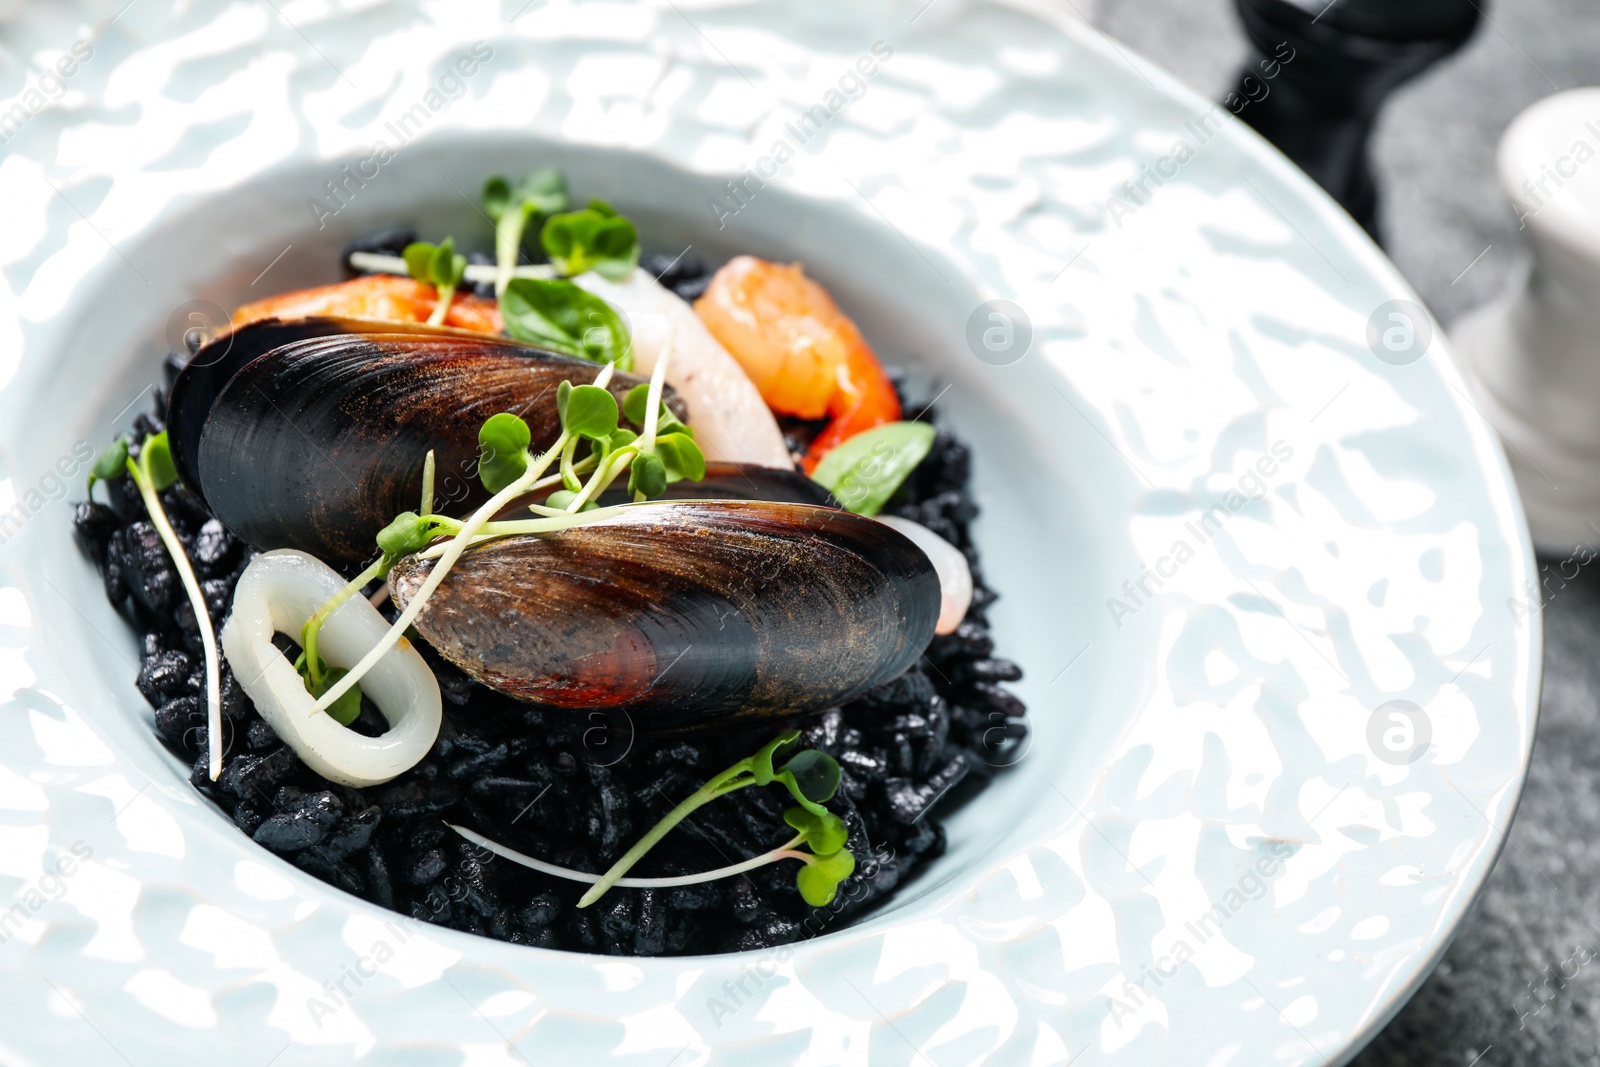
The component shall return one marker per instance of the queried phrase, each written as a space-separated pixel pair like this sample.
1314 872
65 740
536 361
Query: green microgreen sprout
109 464
810 776
153 472
410 532
864 471
595 238
440 266
508 469
512 207
561 316
825 866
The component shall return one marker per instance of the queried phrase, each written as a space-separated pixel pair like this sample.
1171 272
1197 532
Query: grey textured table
1499 998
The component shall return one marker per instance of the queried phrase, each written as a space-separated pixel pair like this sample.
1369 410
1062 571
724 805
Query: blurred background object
1520 987
1444 219
1532 355
1349 57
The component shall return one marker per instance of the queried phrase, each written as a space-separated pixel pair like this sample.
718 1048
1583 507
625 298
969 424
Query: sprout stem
378 263
308 632
713 789
202 615
427 485
490 531
782 852
445 294
453 550
658 384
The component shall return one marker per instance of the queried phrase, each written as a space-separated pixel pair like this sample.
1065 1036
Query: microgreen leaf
347 708
622 438
109 464
681 457
818 879
812 778
445 267
823 833
563 391
512 207
560 316
561 499
636 403
541 192
647 475
590 412
419 260
596 239
761 764
408 533
864 471
156 459
503 444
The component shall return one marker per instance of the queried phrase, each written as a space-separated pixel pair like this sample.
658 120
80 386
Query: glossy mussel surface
682 613
312 433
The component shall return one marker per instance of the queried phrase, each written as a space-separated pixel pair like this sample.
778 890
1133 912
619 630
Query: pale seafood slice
276 594
731 421
955 577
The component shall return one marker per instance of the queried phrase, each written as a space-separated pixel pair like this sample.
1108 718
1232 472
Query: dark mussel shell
311 434
722 481
685 613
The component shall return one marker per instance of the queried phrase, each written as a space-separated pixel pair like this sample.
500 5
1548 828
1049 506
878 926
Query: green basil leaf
681 456
647 475
560 316
863 472
156 457
590 412
419 260
502 450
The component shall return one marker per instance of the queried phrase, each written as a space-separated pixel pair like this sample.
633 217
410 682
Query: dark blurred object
1347 57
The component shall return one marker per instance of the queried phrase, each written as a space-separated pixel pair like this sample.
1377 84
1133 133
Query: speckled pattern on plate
1203 355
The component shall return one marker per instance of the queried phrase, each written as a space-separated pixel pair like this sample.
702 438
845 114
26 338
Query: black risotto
575 790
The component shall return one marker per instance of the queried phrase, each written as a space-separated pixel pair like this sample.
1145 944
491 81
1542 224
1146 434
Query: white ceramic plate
1214 772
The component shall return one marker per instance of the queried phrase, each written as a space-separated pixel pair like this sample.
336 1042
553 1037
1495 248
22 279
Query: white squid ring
277 593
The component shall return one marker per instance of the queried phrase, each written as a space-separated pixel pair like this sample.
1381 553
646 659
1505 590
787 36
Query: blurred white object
1533 355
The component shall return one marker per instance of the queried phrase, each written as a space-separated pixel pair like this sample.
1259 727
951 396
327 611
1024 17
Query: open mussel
312 434
685 612
722 481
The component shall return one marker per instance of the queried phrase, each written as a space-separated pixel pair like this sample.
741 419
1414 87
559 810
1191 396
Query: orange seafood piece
375 296
803 354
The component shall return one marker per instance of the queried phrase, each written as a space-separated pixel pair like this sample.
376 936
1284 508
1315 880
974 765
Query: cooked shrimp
804 355
730 420
375 296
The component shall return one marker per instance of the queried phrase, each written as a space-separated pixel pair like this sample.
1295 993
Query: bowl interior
1047 484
